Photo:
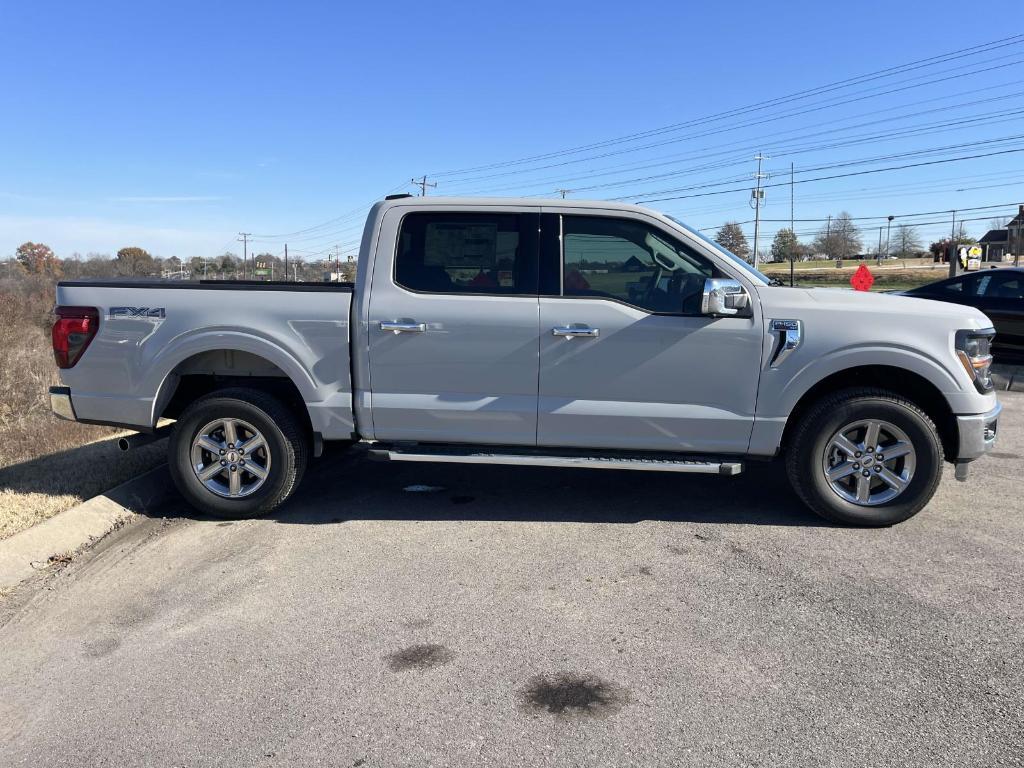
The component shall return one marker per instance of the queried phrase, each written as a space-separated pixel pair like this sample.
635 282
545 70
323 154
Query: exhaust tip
123 443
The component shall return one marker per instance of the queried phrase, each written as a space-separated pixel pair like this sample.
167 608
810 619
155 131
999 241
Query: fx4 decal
157 312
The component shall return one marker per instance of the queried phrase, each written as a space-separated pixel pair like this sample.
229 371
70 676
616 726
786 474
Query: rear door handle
572 331
400 327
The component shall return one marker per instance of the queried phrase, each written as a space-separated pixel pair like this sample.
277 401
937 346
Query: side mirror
724 298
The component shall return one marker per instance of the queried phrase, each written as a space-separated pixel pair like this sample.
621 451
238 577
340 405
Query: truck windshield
742 263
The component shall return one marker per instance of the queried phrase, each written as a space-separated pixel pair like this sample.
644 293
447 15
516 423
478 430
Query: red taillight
72 331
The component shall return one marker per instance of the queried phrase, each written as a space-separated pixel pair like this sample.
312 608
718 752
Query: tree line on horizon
38 259
840 239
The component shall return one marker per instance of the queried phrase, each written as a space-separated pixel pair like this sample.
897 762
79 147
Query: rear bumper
977 434
63 407
60 403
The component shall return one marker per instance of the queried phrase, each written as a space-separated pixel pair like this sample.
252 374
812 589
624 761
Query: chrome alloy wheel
231 458
869 462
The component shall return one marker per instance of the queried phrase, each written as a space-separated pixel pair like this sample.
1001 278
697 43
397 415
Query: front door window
631 262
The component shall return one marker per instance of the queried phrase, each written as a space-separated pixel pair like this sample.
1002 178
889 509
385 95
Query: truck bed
154 332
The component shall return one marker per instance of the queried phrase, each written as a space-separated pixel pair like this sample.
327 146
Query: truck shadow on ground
339 488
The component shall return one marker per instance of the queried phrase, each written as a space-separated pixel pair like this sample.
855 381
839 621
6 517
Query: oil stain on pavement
422 656
567 694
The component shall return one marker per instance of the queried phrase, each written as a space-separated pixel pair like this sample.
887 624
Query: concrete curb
30 551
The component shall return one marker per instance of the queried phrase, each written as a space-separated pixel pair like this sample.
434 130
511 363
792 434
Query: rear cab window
467 253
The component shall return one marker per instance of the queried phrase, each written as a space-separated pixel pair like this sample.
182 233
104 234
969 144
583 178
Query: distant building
994 244
1002 244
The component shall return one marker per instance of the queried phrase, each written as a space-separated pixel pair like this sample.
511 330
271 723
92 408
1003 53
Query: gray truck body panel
132 365
487 369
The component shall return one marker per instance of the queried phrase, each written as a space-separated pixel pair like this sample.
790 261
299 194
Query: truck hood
783 300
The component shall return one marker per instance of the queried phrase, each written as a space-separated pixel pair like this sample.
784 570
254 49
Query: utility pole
828 238
422 184
879 246
757 194
952 248
563 192
792 225
1020 235
888 229
286 261
244 237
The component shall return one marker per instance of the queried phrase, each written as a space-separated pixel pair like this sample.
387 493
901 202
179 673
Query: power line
815 107
888 71
777 148
845 175
875 191
323 230
947 148
882 217
744 146
904 132
344 216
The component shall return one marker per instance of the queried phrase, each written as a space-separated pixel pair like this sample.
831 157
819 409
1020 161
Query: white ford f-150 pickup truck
527 332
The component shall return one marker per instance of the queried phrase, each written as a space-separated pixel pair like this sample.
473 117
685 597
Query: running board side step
639 463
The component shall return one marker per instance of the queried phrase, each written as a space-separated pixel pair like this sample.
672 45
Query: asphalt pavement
509 617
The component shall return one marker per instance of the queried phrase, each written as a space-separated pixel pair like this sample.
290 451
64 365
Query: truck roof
516 201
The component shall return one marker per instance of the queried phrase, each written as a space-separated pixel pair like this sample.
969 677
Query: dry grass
46 464
851 264
894 274
31 491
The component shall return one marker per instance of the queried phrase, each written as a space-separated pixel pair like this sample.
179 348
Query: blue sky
173 126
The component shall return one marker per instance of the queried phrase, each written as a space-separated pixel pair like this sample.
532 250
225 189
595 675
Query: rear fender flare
162 379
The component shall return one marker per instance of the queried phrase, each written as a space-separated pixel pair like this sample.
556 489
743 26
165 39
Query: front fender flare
785 398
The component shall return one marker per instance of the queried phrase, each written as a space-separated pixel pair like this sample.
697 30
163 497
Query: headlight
973 349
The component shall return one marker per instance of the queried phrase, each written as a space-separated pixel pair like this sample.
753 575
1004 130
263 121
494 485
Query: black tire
821 422
286 438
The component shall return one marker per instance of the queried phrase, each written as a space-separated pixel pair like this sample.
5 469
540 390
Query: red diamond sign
862 279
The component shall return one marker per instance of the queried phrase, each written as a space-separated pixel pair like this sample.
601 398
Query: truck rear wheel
237 453
865 457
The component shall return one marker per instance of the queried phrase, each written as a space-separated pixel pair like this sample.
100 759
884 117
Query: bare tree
906 242
840 239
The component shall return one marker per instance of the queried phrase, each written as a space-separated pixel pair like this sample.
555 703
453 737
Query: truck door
1001 297
627 360
453 326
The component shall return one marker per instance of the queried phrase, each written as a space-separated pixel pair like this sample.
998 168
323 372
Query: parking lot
505 616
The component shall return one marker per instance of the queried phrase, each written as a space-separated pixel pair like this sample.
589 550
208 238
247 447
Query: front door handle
402 327
572 331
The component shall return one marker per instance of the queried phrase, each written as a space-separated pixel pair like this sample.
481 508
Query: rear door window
473 253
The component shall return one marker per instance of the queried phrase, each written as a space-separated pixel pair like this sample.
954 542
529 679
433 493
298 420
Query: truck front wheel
865 457
237 453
